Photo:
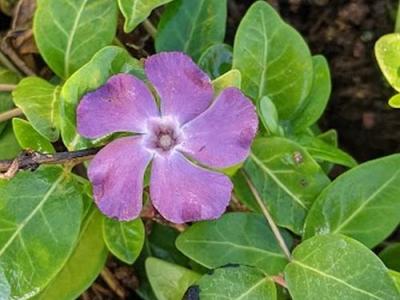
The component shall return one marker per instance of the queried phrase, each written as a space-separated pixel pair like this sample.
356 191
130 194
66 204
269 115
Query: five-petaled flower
188 131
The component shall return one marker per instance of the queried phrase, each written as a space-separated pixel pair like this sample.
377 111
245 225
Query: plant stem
397 25
8 64
150 28
7 87
270 220
15 112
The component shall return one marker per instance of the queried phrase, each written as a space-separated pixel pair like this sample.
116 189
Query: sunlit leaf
231 78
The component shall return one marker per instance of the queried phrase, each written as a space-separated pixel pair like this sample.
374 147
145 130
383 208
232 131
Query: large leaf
9 147
191 26
90 253
336 267
236 282
39 100
69 32
124 239
287 179
136 11
216 60
273 58
169 281
6 77
234 238
107 62
363 203
40 216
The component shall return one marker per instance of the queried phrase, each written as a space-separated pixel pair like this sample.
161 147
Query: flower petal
183 192
116 174
123 103
222 135
184 89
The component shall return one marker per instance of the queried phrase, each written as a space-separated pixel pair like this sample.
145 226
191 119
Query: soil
345 32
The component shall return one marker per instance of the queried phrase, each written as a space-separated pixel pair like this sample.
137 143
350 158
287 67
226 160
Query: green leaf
323 151
169 281
387 51
273 58
69 32
234 238
236 282
136 11
40 216
29 139
287 179
84 264
6 77
396 278
107 62
9 147
315 103
191 26
391 256
362 203
336 267
269 116
231 78
39 100
395 101
124 239
216 60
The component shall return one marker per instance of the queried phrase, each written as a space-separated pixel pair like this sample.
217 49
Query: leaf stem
8 64
270 220
15 112
7 87
149 27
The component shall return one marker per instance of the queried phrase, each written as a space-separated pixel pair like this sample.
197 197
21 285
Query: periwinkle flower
189 126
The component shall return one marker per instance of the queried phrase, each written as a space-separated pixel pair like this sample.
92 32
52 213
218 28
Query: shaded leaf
391 256
269 116
6 103
216 60
9 147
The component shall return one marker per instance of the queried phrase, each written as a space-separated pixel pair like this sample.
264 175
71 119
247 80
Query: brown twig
13 56
7 87
7 115
113 283
149 27
280 280
31 159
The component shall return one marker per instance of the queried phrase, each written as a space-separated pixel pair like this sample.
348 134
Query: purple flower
189 126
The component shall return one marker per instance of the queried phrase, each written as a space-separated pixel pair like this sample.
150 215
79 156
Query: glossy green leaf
216 60
107 62
191 26
315 103
136 11
396 278
273 58
84 264
287 179
395 101
9 147
269 116
231 78
39 100
387 51
363 203
6 77
38 229
29 139
169 281
69 32
391 256
234 238
124 239
336 267
236 282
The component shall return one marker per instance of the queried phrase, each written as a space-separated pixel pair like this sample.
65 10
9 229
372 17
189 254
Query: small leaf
169 281
124 239
29 139
391 256
387 51
269 116
9 147
395 101
40 216
287 179
273 58
69 32
396 278
39 100
237 282
231 78
234 238
336 267
90 253
362 203
107 62
191 26
216 60
315 103
136 11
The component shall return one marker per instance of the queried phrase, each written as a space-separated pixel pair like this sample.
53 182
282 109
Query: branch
7 87
32 160
5 116
149 27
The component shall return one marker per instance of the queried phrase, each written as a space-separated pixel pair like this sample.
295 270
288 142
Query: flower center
163 134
